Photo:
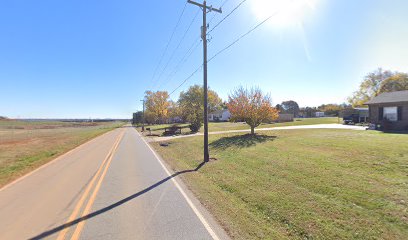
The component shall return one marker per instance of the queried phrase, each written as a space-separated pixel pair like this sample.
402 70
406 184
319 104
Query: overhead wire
188 78
168 43
181 63
242 36
227 47
227 16
178 46
214 15
188 54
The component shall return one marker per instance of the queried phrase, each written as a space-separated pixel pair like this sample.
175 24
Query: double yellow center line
101 173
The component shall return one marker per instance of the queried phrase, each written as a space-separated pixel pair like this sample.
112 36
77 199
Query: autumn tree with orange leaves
252 107
157 104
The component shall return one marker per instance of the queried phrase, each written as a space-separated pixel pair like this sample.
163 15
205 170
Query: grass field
225 126
301 184
25 146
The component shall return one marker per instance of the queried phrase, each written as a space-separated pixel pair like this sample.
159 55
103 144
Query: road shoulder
210 219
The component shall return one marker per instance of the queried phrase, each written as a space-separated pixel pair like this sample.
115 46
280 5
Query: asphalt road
113 187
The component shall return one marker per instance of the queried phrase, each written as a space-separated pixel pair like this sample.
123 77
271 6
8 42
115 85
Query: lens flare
286 13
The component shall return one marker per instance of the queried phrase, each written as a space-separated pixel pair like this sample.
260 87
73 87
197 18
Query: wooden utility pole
143 121
204 28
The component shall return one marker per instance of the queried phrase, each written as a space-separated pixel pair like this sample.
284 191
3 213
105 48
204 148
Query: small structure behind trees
252 106
220 116
285 117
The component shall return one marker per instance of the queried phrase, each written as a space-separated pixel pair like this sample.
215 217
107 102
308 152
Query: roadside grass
30 145
301 184
226 126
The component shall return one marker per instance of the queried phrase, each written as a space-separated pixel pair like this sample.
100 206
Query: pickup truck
351 119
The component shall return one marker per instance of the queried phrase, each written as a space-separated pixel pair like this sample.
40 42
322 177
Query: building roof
390 97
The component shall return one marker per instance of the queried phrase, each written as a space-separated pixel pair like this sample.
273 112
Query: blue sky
69 59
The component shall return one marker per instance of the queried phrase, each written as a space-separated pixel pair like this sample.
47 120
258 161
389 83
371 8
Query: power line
229 14
222 5
189 52
178 46
188 78
181 63
168 43
242 36
225 48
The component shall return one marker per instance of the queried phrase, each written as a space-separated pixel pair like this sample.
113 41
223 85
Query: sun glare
287 12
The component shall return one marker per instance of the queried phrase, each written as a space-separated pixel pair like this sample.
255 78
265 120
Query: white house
221 115
319 114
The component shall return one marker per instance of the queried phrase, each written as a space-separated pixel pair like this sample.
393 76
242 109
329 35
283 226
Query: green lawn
225 126
301 184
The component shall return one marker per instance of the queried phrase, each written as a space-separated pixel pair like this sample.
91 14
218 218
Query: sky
95 59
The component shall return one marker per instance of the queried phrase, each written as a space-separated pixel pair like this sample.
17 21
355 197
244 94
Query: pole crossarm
210 8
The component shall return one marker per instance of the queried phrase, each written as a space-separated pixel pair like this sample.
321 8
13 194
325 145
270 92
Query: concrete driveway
316 126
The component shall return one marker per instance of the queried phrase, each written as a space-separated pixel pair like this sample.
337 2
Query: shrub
195 126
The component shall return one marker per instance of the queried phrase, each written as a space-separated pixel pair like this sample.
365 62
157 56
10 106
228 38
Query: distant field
25 146
301 184
225 126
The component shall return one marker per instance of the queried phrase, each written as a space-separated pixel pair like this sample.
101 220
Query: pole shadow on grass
114 205
240 141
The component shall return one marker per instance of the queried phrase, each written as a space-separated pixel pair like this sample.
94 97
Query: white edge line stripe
190 203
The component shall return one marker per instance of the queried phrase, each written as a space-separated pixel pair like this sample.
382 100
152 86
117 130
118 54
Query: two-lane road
113 187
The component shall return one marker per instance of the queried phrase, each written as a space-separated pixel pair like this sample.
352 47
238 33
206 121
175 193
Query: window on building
391 113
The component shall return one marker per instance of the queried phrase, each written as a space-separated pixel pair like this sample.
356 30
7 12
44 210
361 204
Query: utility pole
143 121
205 8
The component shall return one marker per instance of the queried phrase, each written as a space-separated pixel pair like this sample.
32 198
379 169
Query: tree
174 110
369 87
290 107
191 105
252 106
137 117
279 107
398 82
308 112
157 104
333 109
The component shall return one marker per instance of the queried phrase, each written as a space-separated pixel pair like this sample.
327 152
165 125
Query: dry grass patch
25 146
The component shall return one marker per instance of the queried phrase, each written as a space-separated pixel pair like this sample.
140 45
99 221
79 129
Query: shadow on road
114 205
240 141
